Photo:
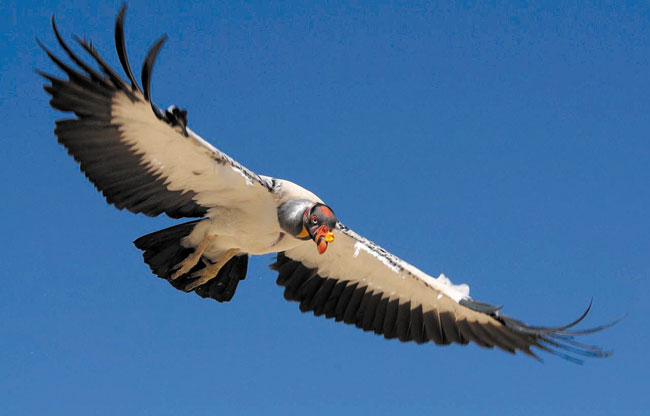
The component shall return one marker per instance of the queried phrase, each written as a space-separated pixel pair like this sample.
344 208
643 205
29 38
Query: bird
147 160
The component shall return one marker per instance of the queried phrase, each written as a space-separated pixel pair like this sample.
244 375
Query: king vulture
149 161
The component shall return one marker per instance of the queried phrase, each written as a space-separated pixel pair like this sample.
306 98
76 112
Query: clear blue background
506 146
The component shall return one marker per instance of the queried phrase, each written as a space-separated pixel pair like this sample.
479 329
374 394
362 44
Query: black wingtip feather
120 45
69 71
147 68
591 351
557 330
116 79
556 339
94 75
537 330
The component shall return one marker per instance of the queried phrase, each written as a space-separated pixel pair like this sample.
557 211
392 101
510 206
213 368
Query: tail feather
163 251
223 287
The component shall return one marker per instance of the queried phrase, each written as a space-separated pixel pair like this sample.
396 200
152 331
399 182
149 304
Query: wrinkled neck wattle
320 239
322 246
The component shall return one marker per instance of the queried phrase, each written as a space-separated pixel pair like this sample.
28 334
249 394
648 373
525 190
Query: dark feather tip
120 44
147 68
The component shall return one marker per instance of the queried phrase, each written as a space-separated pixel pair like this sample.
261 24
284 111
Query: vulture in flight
149 161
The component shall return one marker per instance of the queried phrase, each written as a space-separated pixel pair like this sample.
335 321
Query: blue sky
505 146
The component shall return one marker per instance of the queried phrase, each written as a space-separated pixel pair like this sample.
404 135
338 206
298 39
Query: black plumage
163 249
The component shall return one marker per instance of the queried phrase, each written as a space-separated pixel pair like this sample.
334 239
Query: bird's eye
314 219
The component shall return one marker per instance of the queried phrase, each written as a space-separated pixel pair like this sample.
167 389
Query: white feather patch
443 284
358 246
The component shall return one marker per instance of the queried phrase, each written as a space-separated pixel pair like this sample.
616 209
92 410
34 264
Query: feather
147 68
121 48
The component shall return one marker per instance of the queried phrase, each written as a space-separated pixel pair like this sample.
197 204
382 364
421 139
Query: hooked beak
323 237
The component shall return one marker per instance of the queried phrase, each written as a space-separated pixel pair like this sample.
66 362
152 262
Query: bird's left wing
140 157
360 283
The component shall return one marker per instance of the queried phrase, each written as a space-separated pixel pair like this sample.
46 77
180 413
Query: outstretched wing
359 283
139 157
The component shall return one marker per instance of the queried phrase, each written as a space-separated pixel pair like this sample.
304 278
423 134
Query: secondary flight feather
147 160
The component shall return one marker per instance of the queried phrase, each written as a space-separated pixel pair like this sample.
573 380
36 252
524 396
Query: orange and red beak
322 238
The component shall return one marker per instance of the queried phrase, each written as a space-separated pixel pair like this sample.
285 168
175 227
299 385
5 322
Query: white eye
314 219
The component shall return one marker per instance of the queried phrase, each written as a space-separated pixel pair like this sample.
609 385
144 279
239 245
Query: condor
149 161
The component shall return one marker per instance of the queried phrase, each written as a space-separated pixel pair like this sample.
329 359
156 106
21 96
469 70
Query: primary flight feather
149 161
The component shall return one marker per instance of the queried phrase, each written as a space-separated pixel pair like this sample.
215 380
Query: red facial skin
321 234
321 243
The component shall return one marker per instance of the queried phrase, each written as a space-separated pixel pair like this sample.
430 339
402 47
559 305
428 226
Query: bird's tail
163 251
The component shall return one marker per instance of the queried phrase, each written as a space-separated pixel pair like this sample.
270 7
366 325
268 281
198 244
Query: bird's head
319 222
